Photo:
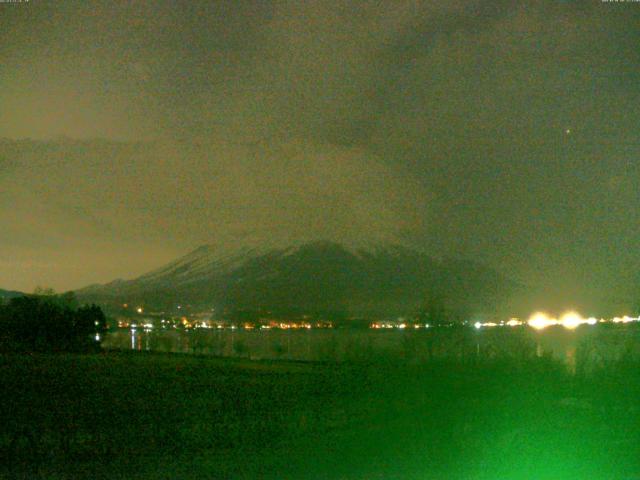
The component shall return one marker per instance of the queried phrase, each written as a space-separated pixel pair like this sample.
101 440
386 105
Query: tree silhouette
50 323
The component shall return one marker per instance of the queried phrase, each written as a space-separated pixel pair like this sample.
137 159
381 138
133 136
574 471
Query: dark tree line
50 323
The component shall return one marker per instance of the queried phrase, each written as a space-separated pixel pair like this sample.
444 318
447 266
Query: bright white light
514 322
541 320
571 320
625 319
478 325
592 320
139 309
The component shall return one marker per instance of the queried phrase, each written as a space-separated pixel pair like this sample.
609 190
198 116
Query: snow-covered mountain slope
314 276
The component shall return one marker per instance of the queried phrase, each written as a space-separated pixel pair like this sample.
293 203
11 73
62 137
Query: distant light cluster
401 326
570 321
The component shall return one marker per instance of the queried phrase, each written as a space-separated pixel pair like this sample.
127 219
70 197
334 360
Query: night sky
504 132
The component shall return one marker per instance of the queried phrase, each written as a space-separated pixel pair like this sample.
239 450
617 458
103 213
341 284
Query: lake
586 347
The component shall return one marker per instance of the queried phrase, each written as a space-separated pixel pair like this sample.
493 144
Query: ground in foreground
144 416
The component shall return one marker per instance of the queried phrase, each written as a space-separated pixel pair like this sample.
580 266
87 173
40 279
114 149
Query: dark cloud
488 129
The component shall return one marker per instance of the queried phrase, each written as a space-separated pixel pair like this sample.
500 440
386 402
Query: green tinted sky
503 131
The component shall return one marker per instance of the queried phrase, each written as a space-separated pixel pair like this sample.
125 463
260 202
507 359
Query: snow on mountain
311 276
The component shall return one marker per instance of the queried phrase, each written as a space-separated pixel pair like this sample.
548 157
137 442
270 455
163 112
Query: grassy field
155 416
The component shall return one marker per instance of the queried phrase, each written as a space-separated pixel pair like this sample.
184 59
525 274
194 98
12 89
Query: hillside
7 294
313 277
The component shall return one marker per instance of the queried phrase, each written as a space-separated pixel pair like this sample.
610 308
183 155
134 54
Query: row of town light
570 321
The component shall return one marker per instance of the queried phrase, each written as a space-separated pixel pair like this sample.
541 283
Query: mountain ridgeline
6 295
315 278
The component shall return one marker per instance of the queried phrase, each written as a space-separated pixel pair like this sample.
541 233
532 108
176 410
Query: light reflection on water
587 346
138 339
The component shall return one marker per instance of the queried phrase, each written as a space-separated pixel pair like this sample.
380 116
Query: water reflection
138 339
584 346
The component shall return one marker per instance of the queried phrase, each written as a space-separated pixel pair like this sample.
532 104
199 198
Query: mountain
313 277
8 294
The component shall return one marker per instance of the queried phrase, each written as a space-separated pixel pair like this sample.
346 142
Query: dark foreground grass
155 416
